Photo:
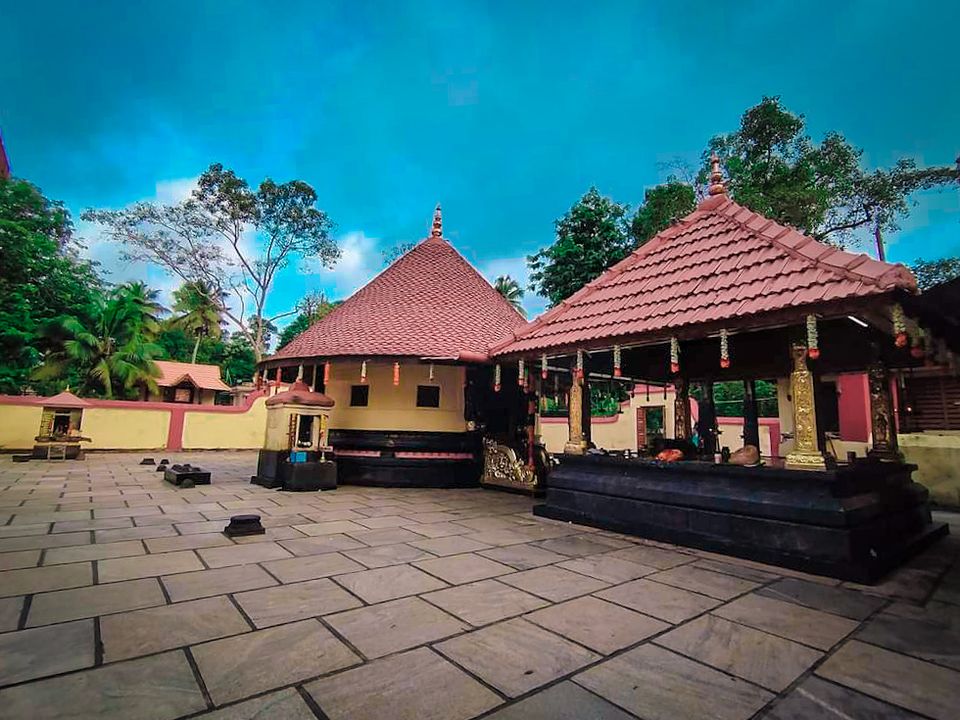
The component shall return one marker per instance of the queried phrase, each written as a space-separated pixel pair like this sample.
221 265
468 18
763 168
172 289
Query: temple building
728 295
405 361
191 383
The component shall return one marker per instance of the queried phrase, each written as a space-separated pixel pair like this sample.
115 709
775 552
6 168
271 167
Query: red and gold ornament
580 365
616 361
396 374
813 339
724 350
496 377
543 366
899 326
674 355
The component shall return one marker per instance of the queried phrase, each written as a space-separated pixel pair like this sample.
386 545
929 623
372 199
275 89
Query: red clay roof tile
430 303
721 262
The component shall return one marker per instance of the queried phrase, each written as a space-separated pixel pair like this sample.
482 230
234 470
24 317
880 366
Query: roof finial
437 229
716 177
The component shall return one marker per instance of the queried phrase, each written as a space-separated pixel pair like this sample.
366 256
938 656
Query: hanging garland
916 348
813 339
899 326
363 371
543 366
521 373
724 349
431 372
616 361
580 365
326 372
674 355
396 373
496 377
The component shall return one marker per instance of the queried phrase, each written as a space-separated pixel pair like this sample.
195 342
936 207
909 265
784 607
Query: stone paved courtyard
120 598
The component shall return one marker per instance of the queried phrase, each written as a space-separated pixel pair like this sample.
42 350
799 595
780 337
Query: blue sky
503 112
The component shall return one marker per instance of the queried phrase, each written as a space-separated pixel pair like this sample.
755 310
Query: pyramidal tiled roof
206 377
722 262
430 303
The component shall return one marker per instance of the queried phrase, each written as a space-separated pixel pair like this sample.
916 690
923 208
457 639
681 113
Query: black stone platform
274 470
855 523
186 476
379 465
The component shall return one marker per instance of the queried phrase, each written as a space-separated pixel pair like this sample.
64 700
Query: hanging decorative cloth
543 366
396 373
674 355
580 365
326 372
616 361
724 349
813 338
899 326
496 377
431 372
363 371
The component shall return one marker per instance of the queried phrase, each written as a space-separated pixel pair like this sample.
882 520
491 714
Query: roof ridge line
847 272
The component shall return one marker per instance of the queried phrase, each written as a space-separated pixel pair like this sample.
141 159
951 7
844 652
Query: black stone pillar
751 416
707 422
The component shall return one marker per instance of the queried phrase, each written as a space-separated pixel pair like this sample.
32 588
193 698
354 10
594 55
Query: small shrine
295 450
727 295
59 435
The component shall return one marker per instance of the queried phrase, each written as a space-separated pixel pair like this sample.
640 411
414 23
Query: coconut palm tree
112 344
511 291
200 308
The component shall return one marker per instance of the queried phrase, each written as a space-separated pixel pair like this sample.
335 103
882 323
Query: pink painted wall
854 407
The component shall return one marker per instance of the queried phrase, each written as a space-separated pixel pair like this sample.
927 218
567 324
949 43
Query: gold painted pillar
576 443
681 409
882 424
806 454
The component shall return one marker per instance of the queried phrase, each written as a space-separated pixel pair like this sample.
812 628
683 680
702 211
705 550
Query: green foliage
206 240
591 237
41 278
934 272
511 291
728 398
199 307
112 348
774 168
391 255
661 206
314 306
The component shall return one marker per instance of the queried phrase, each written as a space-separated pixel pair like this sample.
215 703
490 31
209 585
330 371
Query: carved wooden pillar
681 409
883 426
806 454
751 416
576 444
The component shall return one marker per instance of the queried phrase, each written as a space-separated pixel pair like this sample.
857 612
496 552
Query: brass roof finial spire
716 177
437 229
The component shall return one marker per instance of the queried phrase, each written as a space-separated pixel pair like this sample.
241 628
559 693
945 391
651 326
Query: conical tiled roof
430 303
65 399
723 262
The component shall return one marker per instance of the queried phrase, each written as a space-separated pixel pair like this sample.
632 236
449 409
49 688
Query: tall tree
661 206
774 168
934 272
312 307
511 291
113 348
41 278
199 312
591 237
231 237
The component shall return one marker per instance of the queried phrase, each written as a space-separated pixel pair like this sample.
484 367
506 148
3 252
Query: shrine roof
722 263
430 303
205 377
65 399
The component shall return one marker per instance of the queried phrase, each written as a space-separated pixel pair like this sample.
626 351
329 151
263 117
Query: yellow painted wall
937 454
19 425
395 407
124 428
219 430
207 397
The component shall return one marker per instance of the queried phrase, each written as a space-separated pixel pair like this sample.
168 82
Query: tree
230 237
662 205
312 307
591 237
775 169
511 291
934 272
41 278
200 313
113 348
391 255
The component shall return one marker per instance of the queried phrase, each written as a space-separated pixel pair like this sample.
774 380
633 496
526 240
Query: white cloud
359 261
